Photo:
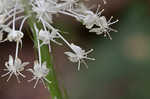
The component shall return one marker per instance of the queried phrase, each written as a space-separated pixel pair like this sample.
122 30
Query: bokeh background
122 66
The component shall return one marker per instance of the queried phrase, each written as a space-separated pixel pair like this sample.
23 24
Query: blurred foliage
122 68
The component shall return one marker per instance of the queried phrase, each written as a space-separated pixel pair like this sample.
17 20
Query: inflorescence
43 10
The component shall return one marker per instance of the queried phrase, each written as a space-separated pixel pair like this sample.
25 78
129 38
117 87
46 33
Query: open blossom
15 36
90 20
46 37
14 67
94 21
88 17
44 9
40 71
79 55
104 27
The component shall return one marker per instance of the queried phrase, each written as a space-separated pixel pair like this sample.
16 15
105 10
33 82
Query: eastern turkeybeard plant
38 14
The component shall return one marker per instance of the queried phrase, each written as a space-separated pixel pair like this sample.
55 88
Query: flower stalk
53 87
44 56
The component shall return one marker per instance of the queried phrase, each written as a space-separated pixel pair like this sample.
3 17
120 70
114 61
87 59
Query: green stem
45 56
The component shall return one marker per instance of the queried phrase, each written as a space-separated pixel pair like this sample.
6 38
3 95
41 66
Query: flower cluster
43 11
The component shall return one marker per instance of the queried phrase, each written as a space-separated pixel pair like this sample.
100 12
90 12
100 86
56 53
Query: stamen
36 83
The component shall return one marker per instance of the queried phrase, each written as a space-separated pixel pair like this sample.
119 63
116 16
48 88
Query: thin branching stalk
45 56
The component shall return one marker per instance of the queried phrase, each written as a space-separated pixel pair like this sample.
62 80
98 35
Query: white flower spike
14 67
79 55
39 72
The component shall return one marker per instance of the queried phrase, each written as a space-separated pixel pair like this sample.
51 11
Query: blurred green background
122 66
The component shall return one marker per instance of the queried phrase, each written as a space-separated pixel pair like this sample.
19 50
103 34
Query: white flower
104 27
15 36
40 72
91 18
44 9
14 67
46 37
79 55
